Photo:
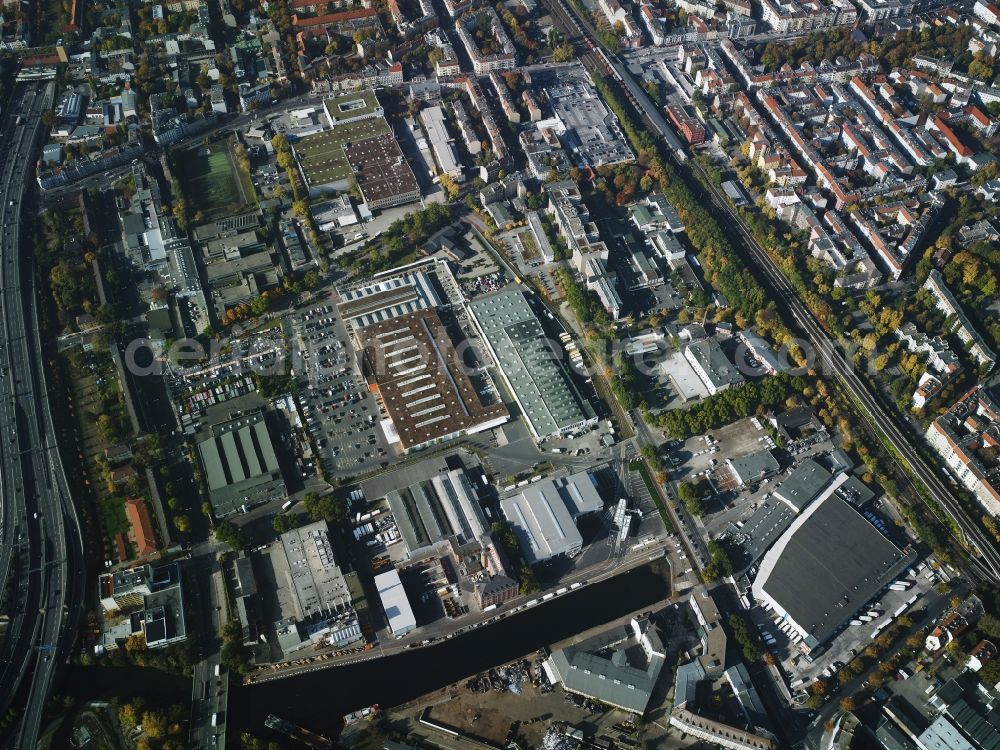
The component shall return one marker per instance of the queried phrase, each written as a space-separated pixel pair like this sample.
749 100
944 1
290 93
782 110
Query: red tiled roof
978 115
333 18
120 546
950 135
142 525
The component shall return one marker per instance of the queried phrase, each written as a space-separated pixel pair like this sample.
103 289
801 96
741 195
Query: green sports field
208 179
321 155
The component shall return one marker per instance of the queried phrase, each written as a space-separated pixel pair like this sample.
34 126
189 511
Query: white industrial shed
394 602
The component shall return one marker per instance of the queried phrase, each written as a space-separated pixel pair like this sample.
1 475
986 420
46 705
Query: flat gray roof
433 121
579 492
592 132
803 485
395 602
714 364
163 607
534 369
764 526
313 573
856 492
755 466
826 566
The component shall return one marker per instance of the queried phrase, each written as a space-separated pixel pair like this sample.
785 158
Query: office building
313 575
713 368
151 601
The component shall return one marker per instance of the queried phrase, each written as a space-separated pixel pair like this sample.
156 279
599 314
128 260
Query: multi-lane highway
42 545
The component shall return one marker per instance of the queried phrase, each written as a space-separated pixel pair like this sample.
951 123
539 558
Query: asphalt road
40 530
829 358
879 419
209 691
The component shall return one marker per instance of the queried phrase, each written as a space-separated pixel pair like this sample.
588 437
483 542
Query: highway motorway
41 535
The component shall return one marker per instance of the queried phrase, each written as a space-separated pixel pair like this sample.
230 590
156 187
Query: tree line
728 406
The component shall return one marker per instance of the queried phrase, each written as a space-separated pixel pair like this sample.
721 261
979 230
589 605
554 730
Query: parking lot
740 504
694 458
853 639
340 413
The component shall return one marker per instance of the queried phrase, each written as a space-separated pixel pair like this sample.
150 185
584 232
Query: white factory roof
437 131
388 298
394 602
543 515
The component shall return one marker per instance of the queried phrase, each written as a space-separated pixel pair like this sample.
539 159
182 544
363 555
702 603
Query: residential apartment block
967 437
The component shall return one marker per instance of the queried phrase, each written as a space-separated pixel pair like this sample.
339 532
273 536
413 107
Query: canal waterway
317 700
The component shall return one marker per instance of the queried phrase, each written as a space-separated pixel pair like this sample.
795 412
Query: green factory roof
532 365
241 467
619 667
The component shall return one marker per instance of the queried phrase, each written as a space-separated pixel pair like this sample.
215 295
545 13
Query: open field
111 509
321 155
209 178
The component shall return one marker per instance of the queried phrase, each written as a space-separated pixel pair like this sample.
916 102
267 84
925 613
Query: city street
204 579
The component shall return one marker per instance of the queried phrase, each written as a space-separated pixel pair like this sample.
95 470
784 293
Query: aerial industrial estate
542 374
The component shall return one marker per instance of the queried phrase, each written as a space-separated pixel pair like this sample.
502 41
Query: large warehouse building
619 667
413 367
386 298
543 515
828 564
358 147
313 575
441 508
533 371
241 468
